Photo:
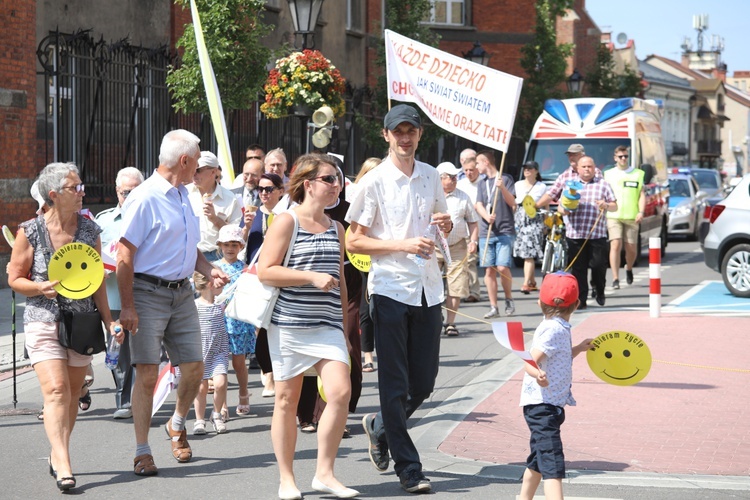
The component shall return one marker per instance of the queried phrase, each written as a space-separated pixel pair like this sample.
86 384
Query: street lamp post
477 54
305 17
575 82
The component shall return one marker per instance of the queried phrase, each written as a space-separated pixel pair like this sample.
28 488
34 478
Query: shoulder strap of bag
291 242
42 235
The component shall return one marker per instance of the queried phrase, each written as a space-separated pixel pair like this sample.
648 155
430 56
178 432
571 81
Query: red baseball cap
559 286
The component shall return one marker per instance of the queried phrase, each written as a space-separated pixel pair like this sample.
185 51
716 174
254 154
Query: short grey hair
275 152
52 178
128 173
175 144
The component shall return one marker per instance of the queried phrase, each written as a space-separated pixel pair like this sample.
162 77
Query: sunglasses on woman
329 179
267 189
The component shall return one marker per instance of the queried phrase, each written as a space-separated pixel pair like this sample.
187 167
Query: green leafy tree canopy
404 17
544 62
233 31
603 81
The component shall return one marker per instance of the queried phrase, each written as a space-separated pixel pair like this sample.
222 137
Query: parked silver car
727 245
686 201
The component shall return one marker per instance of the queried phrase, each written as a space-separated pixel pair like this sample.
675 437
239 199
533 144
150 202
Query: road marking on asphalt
538 497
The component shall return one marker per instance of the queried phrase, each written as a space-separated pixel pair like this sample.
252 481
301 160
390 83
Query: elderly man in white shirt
469 185
390 220
465 228
214 205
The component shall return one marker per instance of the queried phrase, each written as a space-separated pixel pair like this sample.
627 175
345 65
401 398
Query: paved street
681 433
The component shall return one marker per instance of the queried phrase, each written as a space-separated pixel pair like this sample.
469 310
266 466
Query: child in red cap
547 390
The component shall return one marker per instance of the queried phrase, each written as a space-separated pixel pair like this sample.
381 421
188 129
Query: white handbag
252 301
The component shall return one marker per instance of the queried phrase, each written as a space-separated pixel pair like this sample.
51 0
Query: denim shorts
547 457
499 251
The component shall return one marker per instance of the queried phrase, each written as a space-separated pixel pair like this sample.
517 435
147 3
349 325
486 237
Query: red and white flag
510 336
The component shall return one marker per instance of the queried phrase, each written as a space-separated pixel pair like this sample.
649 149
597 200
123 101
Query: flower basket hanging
303 80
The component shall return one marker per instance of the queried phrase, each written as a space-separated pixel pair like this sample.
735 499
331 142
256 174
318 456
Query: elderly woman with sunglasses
60 371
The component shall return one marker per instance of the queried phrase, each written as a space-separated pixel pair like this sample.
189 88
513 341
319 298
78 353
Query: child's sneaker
199 427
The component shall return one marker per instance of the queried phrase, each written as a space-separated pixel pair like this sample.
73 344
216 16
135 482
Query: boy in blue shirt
546 390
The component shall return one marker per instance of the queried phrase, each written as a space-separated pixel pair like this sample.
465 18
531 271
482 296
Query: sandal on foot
84 402
225 415
181 450
368 367
66 483
243 408
308 428
525 289
143 465
451 331
347 433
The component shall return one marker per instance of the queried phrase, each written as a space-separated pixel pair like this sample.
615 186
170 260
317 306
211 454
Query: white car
727 245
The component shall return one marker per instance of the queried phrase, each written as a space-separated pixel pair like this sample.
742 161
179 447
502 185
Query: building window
447 12
354 15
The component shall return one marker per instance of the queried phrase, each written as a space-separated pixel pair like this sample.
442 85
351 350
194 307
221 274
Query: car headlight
681 211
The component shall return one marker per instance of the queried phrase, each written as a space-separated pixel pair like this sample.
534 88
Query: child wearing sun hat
546 390
241 334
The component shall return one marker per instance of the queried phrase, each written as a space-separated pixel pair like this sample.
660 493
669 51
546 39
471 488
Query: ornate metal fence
107 106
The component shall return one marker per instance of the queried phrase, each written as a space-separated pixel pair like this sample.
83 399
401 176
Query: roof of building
655 75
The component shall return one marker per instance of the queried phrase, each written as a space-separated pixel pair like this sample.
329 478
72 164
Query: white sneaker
492 313
510 307
199 427
122 413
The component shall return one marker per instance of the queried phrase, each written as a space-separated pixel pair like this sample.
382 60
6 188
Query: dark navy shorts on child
547 458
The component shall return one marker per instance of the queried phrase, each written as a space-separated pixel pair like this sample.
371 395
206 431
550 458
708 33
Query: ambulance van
600 125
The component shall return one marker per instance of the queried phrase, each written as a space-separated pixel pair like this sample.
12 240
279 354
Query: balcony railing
709 147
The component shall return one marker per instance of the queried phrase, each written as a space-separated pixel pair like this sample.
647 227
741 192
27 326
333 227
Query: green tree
544 62
405 18
233 30
602 80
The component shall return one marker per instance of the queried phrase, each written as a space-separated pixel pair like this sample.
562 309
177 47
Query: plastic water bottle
418 259
113 351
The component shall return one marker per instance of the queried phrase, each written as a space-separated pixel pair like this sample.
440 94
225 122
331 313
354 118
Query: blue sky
659 26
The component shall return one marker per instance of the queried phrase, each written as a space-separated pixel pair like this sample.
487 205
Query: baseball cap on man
401 114
575 148
208 159
447 168
559 289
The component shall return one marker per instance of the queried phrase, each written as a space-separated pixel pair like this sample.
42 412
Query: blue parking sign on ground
710 296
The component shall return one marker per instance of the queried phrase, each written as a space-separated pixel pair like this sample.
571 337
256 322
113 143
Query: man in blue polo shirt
158 253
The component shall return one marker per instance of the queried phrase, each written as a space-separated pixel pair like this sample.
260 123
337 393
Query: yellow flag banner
214 102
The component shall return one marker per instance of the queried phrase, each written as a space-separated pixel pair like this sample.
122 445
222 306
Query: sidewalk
688 416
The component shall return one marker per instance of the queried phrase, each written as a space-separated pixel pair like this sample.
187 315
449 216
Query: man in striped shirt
586 231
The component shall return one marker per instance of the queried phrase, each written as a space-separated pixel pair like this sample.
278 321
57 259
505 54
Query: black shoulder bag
80 331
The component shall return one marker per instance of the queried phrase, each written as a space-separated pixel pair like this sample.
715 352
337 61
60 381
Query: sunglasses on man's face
622 156
267 189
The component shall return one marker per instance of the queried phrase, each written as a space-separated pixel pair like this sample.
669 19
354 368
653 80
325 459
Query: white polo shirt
396 207
226 206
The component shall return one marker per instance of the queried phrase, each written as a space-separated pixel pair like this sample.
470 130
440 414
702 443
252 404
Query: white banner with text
462 97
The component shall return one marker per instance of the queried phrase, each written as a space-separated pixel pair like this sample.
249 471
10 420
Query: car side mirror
648 173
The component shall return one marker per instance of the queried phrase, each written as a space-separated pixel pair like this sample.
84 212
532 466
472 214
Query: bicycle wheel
547 259
561 256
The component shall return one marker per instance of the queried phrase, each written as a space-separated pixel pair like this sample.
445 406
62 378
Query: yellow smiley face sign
619 358
361 262
79 270
529 206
